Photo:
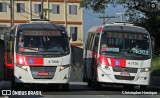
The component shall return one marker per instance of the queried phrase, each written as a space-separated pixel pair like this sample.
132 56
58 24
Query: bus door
94 62
89 55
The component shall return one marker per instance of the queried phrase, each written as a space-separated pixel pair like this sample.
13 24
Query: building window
20 7
3 7
55 9
37 8
73 9
73 30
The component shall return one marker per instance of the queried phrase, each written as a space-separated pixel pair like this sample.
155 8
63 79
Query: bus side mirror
74 36
69 38
12 37
7 36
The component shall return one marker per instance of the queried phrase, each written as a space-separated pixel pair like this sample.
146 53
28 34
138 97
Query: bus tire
89 83
65 87
2 72
143 87
17 86
54 87
85 74
97 85
128 87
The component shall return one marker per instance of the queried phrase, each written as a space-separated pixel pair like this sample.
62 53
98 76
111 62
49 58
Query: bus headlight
145 69
104 66
22 67
63 67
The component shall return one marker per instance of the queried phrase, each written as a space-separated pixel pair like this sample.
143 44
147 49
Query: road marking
4 97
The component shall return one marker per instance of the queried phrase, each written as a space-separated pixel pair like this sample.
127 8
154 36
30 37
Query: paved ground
80 88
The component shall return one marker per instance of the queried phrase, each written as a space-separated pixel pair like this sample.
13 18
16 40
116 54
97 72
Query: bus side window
88 42
95 43
91 42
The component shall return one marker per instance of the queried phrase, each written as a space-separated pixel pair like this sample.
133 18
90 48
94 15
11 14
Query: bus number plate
43 73
124 74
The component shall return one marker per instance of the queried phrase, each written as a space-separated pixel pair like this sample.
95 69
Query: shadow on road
76 88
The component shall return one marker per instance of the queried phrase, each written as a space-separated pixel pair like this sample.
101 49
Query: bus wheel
16 86
128 87
54 87
65 87
143 87
89 83
84 74
97 85
1 62
13 85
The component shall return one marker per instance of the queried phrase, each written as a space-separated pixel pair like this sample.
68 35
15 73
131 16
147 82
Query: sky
92 19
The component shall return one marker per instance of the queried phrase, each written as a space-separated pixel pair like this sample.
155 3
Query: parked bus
118 53
37 52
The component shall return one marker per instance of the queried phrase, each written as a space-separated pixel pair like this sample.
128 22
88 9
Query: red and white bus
118 53
37 53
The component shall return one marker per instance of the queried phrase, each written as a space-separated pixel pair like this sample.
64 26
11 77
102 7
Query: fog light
65 77
145 78
20 77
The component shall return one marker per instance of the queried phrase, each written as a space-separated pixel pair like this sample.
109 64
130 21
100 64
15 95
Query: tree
145 13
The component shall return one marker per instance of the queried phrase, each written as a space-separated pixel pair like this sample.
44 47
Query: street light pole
65 4
11 13
121 16
41 14
30 9
103 17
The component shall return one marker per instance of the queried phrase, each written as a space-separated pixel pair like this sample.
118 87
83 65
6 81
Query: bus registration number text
43 73
124 74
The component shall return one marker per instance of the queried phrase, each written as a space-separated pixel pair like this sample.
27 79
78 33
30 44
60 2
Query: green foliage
156 66
138 11
95 5
45 10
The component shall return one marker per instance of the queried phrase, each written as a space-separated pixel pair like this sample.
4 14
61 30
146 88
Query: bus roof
40 25
118 27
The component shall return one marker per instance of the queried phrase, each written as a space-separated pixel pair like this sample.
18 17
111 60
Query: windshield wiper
123 54
55 51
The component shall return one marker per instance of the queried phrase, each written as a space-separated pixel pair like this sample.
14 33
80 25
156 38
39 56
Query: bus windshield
130 45
42 41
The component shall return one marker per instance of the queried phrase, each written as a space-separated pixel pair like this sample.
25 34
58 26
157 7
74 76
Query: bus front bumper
23 76
139 78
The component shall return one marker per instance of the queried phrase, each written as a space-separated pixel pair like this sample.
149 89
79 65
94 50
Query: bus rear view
119 54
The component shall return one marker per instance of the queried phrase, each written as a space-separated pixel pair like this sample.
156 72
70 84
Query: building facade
65 12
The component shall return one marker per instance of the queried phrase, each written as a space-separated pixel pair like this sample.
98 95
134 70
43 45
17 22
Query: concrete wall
77 64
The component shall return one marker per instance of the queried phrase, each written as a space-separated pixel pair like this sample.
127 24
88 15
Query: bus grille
126 69
124 77
38 72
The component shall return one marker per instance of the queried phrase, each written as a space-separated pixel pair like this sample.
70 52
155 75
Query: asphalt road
80 89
